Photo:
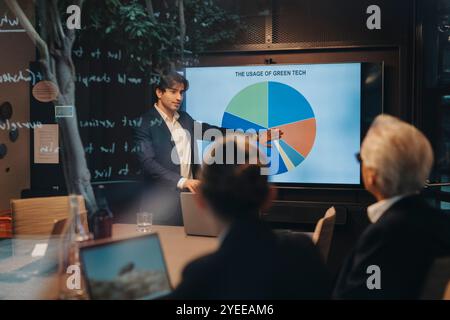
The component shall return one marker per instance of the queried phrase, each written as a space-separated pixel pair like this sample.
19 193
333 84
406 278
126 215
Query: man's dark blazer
253 263
161 174
404 243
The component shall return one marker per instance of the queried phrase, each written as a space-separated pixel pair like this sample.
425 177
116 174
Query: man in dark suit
393 255
251 263
168 149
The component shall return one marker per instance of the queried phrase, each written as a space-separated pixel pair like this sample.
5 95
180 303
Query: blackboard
110 99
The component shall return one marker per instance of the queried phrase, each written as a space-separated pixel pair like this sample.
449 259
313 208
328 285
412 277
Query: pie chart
269 104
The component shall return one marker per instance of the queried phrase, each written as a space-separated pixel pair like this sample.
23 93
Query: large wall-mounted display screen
316 106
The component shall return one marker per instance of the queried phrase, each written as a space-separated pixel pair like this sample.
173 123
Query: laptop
197 221
125 269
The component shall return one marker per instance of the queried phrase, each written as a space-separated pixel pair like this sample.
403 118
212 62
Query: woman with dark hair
251 263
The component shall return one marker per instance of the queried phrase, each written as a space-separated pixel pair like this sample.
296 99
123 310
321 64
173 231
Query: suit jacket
161 174
156 143
252 263
403 243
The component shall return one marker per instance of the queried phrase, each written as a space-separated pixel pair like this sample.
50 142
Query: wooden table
23 277
179 249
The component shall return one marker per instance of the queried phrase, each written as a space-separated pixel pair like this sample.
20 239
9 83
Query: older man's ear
371 182
368 176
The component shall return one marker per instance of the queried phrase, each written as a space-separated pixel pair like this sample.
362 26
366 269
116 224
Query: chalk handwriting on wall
8 125
119 78
107 172
109 148
9 24
126 147
122 78
80 52
86 80
22 75
97 123
133 123
5 21
112 55
125 122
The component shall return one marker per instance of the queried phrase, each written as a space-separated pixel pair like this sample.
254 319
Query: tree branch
182 26
56 61
151 13
55 21
47 65
30 30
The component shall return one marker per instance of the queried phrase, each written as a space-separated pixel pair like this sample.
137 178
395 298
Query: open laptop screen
126 269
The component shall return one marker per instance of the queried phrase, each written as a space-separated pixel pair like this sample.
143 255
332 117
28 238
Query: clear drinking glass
144 221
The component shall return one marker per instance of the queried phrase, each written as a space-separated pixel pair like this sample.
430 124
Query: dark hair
234 191
167 80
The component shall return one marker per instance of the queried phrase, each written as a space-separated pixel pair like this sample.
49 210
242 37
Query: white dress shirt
182 144
376 210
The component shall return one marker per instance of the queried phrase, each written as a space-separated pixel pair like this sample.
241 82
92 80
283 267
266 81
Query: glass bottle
103 218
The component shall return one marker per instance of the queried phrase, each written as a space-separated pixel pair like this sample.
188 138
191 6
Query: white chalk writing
90 148
22 75
86 80
6 21
7 125
134 123
108 172
96 123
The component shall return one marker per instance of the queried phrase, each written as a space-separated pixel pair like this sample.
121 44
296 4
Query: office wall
324 26
16 52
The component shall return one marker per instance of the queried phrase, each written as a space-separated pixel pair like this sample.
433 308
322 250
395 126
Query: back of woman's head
232 182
